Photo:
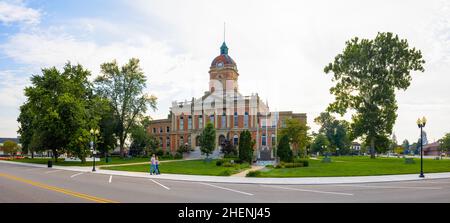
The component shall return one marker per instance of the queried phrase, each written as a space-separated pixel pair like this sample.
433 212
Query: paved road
32 184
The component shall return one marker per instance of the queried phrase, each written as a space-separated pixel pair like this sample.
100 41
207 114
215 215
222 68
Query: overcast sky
280 48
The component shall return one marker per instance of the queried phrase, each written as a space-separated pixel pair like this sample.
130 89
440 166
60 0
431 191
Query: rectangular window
211 119
190 122
224 121
236 120
181 123
168 129
246 120
200 122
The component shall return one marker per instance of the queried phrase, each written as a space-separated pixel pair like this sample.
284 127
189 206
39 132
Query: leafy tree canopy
367 73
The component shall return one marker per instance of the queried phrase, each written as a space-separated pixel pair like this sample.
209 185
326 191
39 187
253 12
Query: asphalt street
20 184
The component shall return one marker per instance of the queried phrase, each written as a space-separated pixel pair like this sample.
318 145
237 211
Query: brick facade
222 104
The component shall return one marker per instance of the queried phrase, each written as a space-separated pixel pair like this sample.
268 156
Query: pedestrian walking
157 166
152 164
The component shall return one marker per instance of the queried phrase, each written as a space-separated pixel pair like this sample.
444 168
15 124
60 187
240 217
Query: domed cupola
223 73
223 60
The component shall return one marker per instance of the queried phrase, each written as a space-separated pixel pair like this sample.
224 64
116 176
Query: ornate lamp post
94 134
421 124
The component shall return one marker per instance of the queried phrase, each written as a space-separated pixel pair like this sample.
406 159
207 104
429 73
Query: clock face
220 64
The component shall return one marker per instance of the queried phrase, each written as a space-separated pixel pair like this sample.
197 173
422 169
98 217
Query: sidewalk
247 180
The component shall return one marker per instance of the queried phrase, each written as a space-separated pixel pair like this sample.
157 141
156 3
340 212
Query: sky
280 47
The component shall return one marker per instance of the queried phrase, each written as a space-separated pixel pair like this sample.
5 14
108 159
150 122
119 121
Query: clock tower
223 73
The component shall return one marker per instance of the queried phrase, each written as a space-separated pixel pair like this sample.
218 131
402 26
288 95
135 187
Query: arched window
235 140
224 120
181 123
264 140
246 120
181 140
236 120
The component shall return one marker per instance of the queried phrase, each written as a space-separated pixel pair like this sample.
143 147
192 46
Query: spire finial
224 31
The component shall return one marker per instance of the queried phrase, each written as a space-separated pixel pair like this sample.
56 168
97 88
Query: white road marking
390 187
110 178
53 171
78 174
154 181
224 188
312 191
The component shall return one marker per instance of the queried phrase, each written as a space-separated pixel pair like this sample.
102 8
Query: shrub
293 165
231 156
269 166
238 161
304 161
228 164
256 173
178 156
219 162
226 173
159 152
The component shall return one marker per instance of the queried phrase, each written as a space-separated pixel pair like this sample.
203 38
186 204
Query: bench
409 161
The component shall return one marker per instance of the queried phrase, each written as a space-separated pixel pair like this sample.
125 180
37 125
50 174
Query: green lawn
192 167
61 162
360 166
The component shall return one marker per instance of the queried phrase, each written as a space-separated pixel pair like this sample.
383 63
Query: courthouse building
225 107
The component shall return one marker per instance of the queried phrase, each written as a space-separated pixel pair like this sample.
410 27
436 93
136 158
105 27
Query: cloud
170 75
17 12
280 49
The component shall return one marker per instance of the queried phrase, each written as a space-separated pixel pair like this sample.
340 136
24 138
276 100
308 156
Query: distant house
355 147
431 149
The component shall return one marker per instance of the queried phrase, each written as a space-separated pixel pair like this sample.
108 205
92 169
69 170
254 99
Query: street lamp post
94 133
421 124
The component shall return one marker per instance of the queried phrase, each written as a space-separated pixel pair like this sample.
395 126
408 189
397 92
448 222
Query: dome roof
223 59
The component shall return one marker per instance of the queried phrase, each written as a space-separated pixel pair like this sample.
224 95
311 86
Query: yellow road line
57 189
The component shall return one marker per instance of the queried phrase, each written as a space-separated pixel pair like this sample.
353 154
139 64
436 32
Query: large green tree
445 143
207 139
367 73
59 110
10 147
141 141
320 143
297 132
246 144
124 87
336 131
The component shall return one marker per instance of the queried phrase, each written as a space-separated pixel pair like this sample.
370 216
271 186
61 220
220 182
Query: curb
245 180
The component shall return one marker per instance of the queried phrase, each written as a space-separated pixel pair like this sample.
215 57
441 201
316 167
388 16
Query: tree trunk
55 155
372 148
121 146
